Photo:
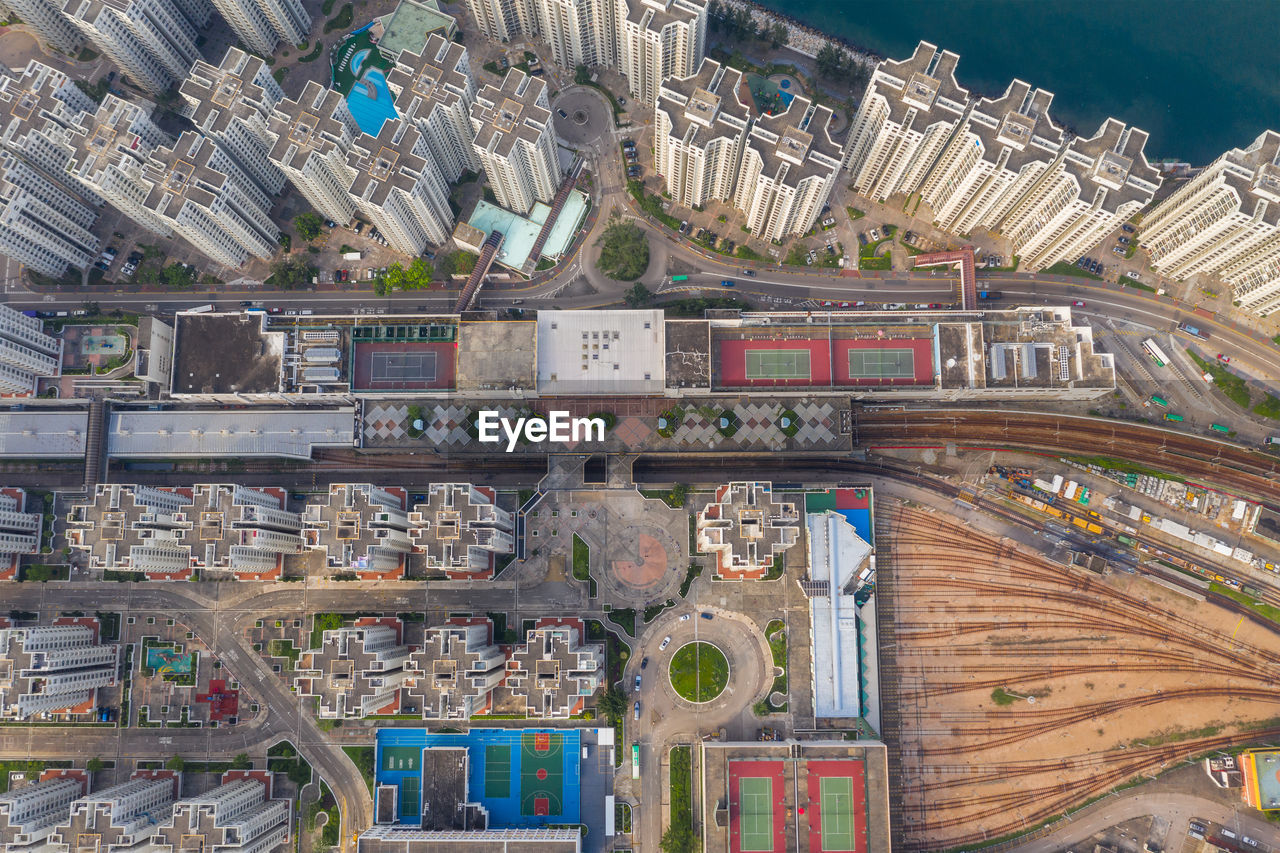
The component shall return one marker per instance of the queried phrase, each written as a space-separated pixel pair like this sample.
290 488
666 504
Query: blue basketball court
494 776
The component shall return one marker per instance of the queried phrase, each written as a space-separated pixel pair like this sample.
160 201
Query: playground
771 95
169 661
524 777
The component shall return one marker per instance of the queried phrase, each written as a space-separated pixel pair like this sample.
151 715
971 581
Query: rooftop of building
345 525
226 354
235 89
120 133
398 839
601 352
1254 173
318 121
182 173
688 356
1018 122
386 162
509 112
924 83
256 431
435 73
47 434
496 355
32 97
705 106
1113 159
797 143
413 25
657 14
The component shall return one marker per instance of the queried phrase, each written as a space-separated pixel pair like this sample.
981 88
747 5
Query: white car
684 618
666 641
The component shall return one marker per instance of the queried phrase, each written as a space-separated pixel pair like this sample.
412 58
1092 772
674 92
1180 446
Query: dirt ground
1024 687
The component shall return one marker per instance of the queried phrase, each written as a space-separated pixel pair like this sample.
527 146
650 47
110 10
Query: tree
395 276
308 225
241 762
176 763
830 60
178 276
581 75
777 35
290 272
679 838
638 296
612 704
447 265
624 251
418 276
93 765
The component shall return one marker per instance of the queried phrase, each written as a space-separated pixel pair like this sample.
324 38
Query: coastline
802 38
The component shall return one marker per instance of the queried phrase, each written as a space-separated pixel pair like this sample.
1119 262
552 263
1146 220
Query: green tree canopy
624 251
175 763
292 271
308 225
637 296
581 75
241 762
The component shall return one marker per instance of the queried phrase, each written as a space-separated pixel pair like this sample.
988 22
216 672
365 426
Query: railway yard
1001 655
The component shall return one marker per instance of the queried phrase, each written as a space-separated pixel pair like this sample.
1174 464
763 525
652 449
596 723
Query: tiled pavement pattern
445 427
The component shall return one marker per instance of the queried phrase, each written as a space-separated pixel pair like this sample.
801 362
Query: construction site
1000 655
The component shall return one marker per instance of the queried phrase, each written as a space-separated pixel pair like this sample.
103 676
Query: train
1086 525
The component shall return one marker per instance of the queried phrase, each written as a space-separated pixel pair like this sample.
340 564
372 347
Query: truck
1192 330
201 309
351 256
988 294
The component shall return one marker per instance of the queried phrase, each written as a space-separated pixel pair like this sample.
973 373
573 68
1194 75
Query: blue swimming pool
370 101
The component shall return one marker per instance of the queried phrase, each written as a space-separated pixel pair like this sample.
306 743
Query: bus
1160 401
1170 416
679 278
635 761
1218 428
1154 352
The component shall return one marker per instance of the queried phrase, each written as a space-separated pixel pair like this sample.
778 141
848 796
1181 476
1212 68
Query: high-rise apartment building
515 142
454 675
29 814
311 140
53 668
578 32
46 18
19 529
197 189
553 670
152 41
239 816
504 20
909 112
459 530
41 224
1225 222
1002 148
435 90
232 104
1097 184
356 672
700 127
262 24
26 352
658 39
399 188
122 817
789 166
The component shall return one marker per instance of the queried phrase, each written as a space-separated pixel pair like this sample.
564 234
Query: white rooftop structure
601 352
845 665
45 435
237 432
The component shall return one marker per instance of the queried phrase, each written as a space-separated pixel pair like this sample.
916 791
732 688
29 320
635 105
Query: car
728 282
644 663
935 304
563 114
1124 241
1128 229
636 710
1247 840
359 227
684 227
1225 359
110 252
329 223
875 233
666 641
751 273
845 305
103 266
684 618
705 615
622 102
637 684
1079 303
248 303
129 269
859 304
862 238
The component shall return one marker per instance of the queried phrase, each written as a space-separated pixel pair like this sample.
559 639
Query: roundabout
586 115
699 672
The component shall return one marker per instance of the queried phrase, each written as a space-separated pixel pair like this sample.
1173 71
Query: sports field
837 807
757 810
402 365
801 361
528 777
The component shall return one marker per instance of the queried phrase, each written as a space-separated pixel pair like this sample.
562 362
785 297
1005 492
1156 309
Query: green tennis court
755 813
406 758
837 813
410 801
497 771
881 364
777 364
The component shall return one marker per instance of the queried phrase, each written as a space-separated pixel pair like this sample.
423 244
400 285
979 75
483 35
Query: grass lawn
776 634
1230 384
362 757
582 562
1128 281
699 672
1064 268
1264 610
682 787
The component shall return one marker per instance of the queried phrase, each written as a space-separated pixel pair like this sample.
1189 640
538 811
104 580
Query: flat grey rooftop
226 354
43 434
238 432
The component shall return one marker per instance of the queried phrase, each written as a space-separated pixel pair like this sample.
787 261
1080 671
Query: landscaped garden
699 672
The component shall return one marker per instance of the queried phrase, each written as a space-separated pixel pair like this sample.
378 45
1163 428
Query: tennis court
402 365
497 771
777 364
881 364
837 806
755 814
757 809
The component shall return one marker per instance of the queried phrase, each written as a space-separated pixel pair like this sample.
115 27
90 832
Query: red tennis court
902 361
402 365
757 806
837 808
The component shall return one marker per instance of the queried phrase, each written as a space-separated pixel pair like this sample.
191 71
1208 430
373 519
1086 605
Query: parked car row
1091 266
